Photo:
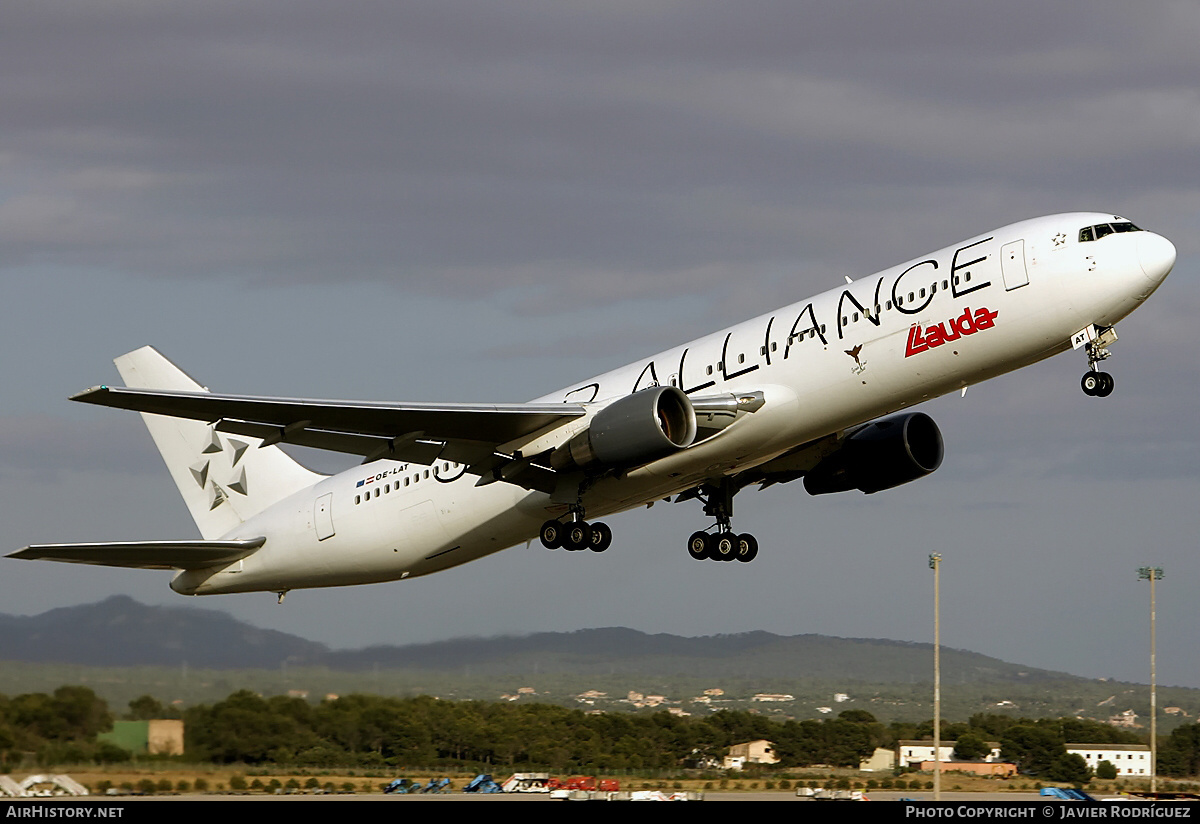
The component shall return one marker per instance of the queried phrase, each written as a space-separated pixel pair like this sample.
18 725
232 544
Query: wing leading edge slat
468 434
495 423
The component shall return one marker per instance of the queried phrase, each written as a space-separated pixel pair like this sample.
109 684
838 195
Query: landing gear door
323 517
1012 265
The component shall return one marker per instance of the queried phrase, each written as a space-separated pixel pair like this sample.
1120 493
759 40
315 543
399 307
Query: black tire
577 536
725 547
601 537
698 545
1106 385
551 534
1090 384
747 547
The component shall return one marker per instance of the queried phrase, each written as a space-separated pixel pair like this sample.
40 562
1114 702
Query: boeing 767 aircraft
812 391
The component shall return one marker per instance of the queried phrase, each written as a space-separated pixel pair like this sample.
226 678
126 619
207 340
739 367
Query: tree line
375 731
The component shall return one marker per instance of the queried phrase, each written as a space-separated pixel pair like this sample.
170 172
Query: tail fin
223 480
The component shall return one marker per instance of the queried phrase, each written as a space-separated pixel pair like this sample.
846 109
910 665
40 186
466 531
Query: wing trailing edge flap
795 463
791 465
144 554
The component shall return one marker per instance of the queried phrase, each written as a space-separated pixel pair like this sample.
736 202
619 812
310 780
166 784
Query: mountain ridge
120 631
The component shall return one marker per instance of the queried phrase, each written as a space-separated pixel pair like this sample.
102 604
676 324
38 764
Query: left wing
468 434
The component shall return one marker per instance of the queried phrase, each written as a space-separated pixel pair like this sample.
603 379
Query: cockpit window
1100 230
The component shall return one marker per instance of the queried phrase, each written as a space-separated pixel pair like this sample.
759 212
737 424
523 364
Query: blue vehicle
482 783
1066 794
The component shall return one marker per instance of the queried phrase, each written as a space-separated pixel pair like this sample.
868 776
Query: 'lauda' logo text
967 323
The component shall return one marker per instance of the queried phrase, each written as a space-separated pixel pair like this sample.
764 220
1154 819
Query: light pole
1153 574
935 563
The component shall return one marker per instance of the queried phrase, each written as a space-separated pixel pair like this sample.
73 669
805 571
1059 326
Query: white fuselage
958 316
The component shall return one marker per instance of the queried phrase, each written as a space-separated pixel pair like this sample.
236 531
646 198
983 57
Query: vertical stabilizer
224 479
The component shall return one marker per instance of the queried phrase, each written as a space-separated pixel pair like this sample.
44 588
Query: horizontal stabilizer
144 554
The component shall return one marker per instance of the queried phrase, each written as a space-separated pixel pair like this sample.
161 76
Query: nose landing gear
1095 343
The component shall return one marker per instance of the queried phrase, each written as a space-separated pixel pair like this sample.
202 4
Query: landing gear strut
1095 383
722 545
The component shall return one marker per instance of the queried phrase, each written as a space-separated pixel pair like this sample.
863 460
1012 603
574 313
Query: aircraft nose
1156 254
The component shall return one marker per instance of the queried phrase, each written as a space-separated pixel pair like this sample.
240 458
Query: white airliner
797 393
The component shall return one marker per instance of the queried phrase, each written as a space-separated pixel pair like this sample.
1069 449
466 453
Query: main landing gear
576 534
1095 383
722 545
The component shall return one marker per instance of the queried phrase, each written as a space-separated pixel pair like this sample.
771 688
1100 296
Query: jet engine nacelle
633 431
880 455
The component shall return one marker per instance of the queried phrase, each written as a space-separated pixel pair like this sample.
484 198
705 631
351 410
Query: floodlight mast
935 563
1153 574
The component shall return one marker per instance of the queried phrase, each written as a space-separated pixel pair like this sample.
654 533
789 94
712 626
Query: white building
752 752
1129 759
882 760
913 753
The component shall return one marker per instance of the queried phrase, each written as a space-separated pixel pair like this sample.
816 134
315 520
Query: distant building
915 753
766 696
1129 759
752 752
639 700
997 769
163 736
882 760
1125 719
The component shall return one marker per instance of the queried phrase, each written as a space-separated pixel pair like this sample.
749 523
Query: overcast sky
484 201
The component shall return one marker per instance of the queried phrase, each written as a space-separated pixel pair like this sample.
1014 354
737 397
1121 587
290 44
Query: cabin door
1012 265
323 517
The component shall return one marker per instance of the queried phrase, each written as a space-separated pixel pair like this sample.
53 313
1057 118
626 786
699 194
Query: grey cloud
43 447
437 145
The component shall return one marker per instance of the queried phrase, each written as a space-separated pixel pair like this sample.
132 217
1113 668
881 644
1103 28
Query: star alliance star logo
859 365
